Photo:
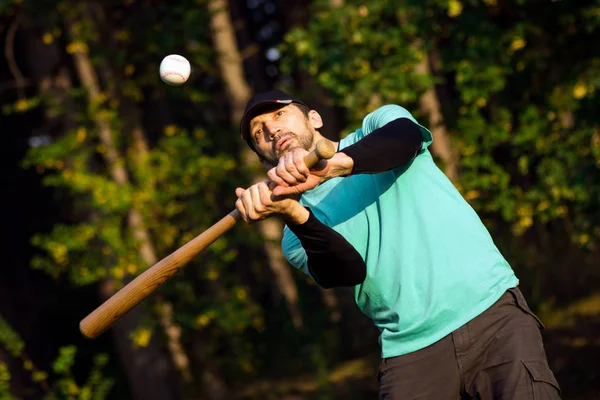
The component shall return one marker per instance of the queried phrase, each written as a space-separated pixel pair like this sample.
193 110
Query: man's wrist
295 213
341 165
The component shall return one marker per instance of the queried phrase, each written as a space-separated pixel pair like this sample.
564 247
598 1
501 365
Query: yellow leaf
241 294
118 273
81 133
524 211
132 268
543 206
28 365
129 69
212 275
170 130
101 149
199 134
59 253
47 38
469 150
77 46
258 323
580 90
141 337
72 388
525 222
472 194
455 8
21 105
203 320
517 44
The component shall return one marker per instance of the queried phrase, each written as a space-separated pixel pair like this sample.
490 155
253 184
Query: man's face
278 129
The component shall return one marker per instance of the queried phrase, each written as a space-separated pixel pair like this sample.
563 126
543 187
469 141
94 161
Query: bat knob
325 149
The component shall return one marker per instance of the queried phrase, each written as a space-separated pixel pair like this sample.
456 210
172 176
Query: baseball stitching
164 75
178 59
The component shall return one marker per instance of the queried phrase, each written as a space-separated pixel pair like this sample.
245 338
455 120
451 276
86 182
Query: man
380 216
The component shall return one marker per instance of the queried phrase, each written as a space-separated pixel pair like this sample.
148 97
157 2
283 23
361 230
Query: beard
304 141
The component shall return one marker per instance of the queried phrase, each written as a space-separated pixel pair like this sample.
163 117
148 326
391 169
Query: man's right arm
332 261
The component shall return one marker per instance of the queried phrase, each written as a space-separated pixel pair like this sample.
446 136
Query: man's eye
279 112
258 132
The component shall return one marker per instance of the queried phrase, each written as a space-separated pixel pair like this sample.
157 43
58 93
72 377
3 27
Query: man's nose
273 129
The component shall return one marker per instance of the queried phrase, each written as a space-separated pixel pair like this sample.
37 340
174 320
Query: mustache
276 138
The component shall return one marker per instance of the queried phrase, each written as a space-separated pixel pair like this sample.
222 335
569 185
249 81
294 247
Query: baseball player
381 217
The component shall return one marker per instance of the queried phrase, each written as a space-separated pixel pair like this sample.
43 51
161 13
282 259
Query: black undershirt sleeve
332 260
394 144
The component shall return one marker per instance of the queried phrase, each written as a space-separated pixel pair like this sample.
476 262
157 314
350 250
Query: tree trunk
238 91
148 368
429 105
139 157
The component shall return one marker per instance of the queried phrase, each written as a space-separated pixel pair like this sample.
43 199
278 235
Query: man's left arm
396 143
392 145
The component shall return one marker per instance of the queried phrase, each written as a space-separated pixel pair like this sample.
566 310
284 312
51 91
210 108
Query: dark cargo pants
497 355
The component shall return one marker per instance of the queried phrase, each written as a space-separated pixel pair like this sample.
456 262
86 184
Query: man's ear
315 119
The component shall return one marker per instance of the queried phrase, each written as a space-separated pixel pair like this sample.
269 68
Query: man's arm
394 144
390 146
332 260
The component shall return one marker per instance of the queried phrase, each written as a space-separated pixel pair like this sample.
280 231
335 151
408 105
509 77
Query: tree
507 138
238 90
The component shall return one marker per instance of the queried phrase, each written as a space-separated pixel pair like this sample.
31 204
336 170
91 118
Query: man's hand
292 176
258 202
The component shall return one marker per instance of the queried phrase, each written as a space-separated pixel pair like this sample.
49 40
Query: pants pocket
545 386
523 306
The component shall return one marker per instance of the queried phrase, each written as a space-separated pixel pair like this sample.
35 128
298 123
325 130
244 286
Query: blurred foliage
517 86
181 179
58 384
523 121
517 81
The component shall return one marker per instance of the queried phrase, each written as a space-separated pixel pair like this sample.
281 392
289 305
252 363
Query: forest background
106 169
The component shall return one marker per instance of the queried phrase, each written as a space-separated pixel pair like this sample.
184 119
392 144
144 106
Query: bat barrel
147 282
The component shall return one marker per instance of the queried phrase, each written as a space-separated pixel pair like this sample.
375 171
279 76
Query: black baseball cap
256 102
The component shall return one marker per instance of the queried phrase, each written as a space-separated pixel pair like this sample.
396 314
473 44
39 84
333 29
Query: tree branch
21 82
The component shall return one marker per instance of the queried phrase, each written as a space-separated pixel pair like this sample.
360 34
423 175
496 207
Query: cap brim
250 113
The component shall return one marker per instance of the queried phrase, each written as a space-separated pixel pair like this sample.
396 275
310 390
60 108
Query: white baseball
174 69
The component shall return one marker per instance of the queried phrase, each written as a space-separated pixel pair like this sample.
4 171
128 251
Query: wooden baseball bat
150 280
